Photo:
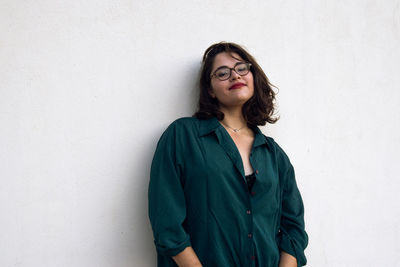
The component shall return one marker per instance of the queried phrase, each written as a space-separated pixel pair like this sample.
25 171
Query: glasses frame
230 70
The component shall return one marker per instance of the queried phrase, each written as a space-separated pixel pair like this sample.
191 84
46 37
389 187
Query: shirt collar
212 124
259 138
208 126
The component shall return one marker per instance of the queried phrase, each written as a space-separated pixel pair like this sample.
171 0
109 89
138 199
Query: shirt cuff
289 246
175 250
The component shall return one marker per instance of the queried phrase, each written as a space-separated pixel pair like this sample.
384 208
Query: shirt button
248 211
253 193
257 171
249 235
253 257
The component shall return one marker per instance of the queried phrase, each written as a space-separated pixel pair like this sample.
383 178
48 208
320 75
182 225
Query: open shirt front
198 196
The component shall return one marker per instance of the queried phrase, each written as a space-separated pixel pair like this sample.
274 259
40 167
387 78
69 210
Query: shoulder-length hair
258 110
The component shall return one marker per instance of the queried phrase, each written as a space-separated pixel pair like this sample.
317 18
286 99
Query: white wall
87 87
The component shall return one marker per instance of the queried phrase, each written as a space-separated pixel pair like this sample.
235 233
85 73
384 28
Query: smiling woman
221 193
258 110
234 85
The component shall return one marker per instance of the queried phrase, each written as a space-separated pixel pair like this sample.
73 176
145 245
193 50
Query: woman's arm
187 258
166 197
287 260
292 235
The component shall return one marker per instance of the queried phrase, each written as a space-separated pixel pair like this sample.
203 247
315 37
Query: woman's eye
222 73
241 68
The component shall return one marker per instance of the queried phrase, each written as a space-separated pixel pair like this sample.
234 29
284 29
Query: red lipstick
237 85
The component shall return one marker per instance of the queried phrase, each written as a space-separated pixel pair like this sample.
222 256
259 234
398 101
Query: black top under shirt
250 179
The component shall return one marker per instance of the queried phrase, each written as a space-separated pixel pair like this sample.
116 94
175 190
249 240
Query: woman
221 193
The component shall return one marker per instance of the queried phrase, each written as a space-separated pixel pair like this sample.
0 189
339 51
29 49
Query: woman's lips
237 85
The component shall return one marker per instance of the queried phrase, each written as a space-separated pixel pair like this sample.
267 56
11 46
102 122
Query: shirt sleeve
167 208
293 237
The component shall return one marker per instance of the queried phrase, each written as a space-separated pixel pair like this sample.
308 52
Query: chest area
224 155
223 171
243 144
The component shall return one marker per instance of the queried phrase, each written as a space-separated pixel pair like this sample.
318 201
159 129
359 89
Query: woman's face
234 91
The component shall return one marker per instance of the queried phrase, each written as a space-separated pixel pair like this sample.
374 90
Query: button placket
249 212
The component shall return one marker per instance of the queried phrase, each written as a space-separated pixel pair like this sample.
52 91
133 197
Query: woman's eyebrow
224 66
236 58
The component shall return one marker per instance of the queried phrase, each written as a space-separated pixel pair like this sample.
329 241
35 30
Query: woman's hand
287 260
187 258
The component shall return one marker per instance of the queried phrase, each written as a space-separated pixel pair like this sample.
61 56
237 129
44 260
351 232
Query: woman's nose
234 75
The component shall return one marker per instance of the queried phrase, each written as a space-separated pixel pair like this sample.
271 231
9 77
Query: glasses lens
242 68
222 73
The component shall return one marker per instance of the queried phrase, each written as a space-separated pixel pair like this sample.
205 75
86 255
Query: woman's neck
233 118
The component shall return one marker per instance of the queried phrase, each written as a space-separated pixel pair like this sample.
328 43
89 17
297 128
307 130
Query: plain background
87 88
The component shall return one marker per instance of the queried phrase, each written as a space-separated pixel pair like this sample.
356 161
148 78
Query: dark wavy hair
258 110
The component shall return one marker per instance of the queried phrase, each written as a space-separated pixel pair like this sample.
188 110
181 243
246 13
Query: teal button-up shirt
198 197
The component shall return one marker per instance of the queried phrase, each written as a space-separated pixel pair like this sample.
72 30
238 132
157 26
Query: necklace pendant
236 130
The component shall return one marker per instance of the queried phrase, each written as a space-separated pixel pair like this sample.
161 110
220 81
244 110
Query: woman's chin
234 104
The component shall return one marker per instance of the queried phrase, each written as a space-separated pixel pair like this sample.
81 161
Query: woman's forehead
226 59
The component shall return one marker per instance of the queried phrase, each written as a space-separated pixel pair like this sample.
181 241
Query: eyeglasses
224 73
